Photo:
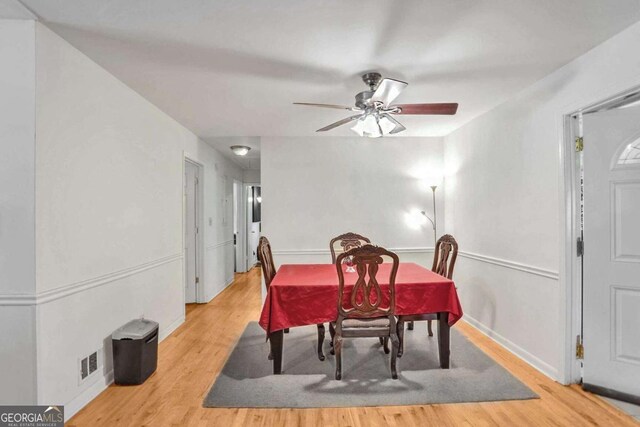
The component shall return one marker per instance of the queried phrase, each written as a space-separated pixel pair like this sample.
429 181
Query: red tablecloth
307 294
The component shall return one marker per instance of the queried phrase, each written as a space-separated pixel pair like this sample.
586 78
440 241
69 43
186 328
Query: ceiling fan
374 118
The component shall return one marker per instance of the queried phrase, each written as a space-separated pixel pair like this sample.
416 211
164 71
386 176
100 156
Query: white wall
505 204
109 236
316 188
251 175
17 205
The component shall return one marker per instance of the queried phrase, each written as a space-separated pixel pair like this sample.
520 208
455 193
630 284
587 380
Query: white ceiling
13 9
233 68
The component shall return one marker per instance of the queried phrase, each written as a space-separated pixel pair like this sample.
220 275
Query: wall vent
93 362
84 369
89 365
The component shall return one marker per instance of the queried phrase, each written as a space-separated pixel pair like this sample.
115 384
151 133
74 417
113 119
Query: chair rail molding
328 252
84 285
550 274
219 245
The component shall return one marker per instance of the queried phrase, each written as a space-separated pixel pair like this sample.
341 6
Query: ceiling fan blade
445 108
399 127
340 123
335 106
388 90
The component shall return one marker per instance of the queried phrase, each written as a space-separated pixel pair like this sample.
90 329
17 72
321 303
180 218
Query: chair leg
429 328
411 325
320 341
385 345
337 346
400 338
332 332
395 344
270 356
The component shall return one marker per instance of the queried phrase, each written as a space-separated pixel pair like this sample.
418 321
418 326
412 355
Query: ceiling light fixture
240 150
375 125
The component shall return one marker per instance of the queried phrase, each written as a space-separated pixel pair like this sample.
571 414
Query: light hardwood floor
191 358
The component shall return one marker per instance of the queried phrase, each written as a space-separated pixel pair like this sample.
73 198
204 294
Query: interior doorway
192 225
254 222
239 227
607 196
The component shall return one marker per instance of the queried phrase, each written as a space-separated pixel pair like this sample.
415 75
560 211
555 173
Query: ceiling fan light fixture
359 127
370 126
386 125
373 126
240 150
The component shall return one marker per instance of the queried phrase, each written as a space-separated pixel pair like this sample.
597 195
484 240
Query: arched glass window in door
630 154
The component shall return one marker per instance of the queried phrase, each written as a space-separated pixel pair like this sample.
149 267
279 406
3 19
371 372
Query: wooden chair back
367 299
266 260
347 241
444 257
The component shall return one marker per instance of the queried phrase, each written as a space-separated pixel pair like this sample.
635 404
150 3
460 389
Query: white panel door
612 251
191 231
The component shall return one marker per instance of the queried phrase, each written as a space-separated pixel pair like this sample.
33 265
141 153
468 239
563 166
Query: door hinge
579 348
197 280
580 247
579 144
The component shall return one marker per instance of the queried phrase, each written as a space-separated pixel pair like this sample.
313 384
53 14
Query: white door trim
248 250
570 272
240 206
200 294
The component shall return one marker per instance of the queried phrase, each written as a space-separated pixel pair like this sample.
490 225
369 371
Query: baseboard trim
102 383
87 395
171 328
512 265
523 354
227 283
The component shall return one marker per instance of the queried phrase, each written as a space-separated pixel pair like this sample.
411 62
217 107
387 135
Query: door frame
570 267
241 218
200 294
247 254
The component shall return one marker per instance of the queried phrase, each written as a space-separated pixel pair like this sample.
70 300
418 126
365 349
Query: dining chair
366 310
346 241
269 272
444 260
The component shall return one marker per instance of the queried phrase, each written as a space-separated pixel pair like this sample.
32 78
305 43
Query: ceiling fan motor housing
372 80
362 99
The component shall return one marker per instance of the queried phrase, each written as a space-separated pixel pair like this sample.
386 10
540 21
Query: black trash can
135 351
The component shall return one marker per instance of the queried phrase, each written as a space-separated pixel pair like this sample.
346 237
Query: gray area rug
246 379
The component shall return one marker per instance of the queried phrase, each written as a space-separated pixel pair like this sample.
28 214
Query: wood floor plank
191 358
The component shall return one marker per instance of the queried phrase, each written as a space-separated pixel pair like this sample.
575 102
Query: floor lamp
434 220
435 235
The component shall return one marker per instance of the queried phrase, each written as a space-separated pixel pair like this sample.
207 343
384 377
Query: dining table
307 294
